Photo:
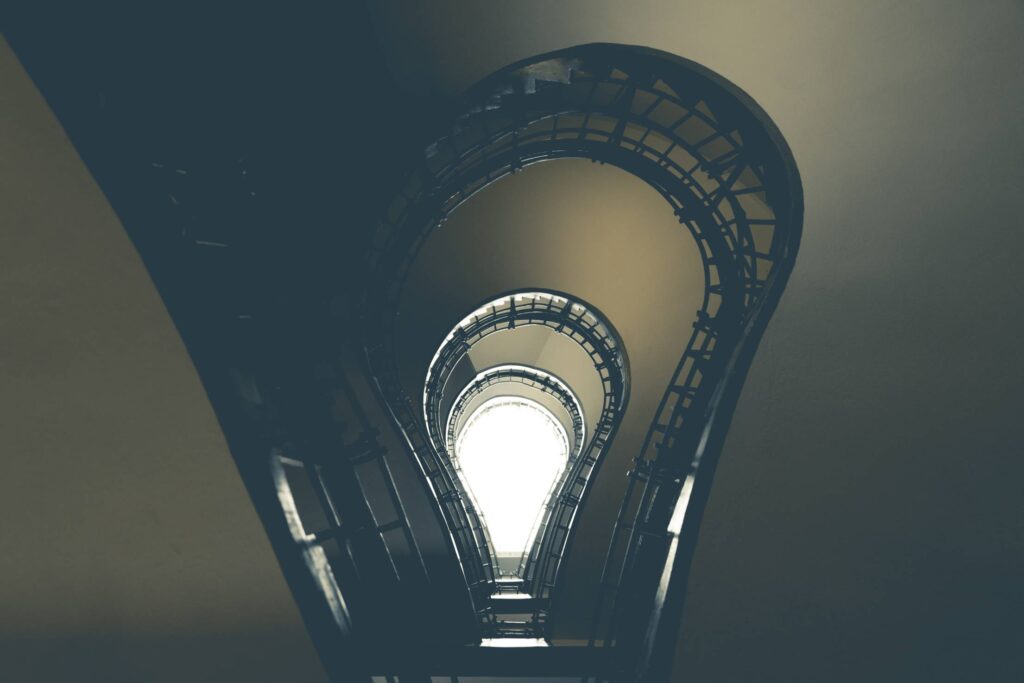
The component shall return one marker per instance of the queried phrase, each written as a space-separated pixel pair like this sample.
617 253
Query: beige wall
130 550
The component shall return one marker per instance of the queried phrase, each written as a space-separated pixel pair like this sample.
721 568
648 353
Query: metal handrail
588 328
727 173
534 378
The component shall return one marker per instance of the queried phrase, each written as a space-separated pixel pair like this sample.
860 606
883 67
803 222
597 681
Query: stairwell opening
510 453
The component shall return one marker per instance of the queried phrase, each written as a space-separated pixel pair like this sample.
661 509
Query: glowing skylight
510 452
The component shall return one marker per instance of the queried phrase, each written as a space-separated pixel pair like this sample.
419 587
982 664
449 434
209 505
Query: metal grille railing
725 172
588 329
462 519
534 378
335 485
499 379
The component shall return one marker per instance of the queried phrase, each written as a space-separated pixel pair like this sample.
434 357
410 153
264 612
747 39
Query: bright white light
511 451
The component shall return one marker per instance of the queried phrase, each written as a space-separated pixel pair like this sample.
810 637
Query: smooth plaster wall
866 521
129 549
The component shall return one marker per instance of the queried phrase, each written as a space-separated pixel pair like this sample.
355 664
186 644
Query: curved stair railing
534 378
526 381
586 327
727 173
712 154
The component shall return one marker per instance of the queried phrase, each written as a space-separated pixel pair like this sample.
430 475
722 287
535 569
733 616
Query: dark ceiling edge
79 93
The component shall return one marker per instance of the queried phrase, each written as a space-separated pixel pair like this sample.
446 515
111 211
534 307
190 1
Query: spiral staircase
283 260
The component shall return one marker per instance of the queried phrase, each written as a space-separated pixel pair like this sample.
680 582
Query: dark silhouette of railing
529 382
586 327
725 170
252 280
351 529
534 378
